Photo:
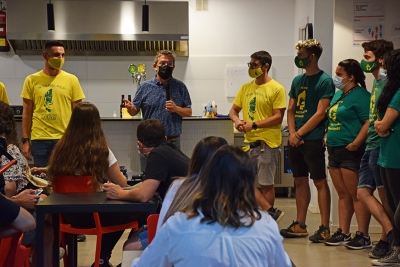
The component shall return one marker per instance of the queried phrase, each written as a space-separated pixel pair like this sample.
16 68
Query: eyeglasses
253 65
165 63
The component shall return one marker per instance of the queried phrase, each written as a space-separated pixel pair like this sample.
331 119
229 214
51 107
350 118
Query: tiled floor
302 252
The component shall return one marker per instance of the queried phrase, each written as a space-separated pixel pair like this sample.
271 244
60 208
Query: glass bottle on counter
122 108
129 98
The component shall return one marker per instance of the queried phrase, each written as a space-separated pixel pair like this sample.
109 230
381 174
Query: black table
58 203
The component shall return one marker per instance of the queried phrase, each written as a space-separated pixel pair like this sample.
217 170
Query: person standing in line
370 177
164 98
3 94
345 139
263 104
387 126
310 95
48 99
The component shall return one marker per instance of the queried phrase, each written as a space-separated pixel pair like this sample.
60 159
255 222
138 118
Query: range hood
106 27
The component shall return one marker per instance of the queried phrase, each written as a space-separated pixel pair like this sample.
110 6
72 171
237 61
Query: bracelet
298 136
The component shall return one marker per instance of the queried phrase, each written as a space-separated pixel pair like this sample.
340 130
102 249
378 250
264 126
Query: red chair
81 184
12 253
152 221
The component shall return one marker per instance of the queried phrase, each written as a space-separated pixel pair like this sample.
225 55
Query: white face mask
383 74
338 81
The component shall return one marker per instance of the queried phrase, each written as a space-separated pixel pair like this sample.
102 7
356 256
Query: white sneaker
393 257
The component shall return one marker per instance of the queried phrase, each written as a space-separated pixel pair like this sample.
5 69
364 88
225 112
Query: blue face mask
338 81
383 74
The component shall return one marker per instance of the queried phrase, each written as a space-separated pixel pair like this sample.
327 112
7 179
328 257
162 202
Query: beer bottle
129 98
122 106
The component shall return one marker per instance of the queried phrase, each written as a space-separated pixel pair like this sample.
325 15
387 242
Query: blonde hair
312 46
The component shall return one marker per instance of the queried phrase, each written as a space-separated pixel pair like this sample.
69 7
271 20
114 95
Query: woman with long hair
347 128
83 150
388 128
221 225
181 189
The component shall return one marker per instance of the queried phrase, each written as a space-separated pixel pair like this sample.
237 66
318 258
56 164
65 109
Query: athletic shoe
61 253
295 230
104 263
359 241
338 238
276 214
380 250
320 235
393 257
80 238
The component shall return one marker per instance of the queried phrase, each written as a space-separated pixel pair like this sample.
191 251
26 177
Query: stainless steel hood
99 27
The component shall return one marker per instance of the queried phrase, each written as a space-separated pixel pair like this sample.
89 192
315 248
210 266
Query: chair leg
98 250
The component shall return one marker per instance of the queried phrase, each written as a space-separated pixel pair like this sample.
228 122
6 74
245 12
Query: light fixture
145 17
50 17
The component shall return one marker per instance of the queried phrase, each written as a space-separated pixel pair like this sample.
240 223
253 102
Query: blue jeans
41 151
369 174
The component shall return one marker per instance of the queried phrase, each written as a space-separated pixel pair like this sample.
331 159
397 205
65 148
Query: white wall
228 33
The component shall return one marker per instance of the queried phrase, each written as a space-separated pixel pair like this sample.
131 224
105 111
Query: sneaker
276 214
80 238
61 253
359 241
393 257
104 263
295 230
338 238
320 235
380 250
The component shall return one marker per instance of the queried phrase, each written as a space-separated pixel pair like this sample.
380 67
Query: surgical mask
338 81
56 63
301 62
383 74
255 73
366 66
165 72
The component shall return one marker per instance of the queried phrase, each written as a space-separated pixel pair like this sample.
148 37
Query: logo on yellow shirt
252 109
48 100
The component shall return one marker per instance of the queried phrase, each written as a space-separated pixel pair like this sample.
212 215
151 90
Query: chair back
152 221
8 249
73 184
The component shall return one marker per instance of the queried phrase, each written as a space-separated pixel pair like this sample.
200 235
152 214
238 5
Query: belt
172 138
255 144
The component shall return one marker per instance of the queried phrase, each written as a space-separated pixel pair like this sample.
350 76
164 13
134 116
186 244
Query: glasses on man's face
165 63
253 65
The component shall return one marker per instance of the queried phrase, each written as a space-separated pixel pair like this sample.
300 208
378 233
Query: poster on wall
395 35
368 23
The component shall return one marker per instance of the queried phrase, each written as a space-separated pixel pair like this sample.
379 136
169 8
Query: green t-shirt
308 91
389 153
347 116
373 138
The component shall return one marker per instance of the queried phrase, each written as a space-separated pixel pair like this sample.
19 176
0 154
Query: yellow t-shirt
52 98
257 103
3 94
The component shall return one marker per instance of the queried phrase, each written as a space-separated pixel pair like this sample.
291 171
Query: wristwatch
254 126
25 139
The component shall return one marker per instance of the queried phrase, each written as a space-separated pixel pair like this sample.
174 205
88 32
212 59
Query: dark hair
352 67
50 44
7 124
391 62
226 193
312 46
83 147
165 53
264 57
202 153
151 133
378 47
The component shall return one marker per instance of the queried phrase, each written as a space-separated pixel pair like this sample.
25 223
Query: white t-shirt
169 197
111 158
183 242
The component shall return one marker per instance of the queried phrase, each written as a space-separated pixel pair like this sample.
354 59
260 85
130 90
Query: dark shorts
340 157
308 158
370 175
41 151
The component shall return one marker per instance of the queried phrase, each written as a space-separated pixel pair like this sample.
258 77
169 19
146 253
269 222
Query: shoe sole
280 217
336 243
375 256
383 263
294 235
358 248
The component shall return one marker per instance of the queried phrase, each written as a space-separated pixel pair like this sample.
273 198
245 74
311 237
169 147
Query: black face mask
165 72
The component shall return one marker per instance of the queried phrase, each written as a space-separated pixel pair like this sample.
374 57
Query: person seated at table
14 219
83 150
164 161
17 188
221 225
180 188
